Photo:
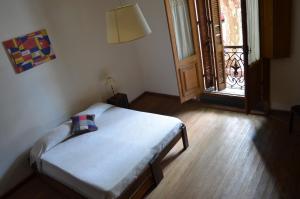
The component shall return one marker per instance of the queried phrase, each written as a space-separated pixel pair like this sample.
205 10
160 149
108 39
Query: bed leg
184 137
156 170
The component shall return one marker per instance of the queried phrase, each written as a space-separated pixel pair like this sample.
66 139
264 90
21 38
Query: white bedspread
102 164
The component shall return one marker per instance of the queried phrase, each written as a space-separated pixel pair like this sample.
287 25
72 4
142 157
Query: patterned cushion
83 124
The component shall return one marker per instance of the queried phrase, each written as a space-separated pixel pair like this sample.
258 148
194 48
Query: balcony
231 18
234 69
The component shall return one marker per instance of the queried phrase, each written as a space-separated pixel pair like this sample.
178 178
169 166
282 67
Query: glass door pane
182 28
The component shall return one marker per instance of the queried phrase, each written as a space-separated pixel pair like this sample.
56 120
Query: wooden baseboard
18 186
147 93
138 98
272 112
261 113
275 111
280 113
162 95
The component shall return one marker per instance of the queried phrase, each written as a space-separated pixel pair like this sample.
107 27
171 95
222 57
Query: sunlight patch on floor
231 91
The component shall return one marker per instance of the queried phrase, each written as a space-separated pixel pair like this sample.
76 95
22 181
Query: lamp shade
125 24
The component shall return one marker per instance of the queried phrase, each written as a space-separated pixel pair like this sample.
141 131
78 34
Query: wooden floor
231 155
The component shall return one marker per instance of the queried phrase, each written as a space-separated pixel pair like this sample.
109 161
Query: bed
122 159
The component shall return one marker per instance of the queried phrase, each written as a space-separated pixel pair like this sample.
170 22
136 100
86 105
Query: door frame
246 52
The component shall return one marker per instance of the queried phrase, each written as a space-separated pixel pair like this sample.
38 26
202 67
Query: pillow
47 142
83 124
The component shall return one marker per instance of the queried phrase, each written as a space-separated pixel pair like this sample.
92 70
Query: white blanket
102 164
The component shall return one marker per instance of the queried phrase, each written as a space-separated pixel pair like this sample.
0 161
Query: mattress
102 164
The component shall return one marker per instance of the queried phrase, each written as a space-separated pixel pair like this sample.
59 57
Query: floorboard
231 155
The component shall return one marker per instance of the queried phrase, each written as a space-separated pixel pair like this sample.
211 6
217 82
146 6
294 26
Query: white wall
285 73
155 52
43 97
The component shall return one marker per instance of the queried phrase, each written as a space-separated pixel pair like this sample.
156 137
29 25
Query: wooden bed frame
146 182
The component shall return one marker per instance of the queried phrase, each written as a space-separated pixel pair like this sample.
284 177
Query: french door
198 50
199 59
215 41
182 22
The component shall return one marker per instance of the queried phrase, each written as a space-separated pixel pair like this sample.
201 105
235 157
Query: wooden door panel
217 41
254 86
206 45
189 79
254 79
220 68
257 74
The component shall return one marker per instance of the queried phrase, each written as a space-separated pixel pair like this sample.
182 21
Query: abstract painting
29 50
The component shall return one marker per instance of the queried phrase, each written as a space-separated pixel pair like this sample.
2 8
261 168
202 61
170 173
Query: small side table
120 100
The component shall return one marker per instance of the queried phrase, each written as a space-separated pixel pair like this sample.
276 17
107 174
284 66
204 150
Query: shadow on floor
280 153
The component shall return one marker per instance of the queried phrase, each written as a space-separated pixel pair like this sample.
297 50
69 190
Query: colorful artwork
30 50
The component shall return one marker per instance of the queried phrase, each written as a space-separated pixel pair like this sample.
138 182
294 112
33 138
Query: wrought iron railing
234 67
